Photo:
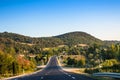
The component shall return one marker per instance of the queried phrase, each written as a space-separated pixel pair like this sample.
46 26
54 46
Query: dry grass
75 70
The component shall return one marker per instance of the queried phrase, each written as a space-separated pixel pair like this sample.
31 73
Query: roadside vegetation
21 54
95 58
16 58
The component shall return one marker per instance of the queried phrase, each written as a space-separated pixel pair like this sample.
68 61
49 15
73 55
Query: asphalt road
53 72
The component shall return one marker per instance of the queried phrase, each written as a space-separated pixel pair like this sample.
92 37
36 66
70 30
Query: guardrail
105 74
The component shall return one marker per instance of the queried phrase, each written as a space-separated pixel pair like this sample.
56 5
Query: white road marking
64 71
48 72
73 77
69 75
41 77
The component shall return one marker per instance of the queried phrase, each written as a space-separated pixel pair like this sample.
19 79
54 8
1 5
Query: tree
81 62
6 61
71 61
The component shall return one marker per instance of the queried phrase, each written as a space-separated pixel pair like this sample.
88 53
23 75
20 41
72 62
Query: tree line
100 57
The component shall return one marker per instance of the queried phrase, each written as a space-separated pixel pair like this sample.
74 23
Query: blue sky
42 18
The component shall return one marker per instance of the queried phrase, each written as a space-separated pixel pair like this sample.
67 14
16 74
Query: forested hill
16 37
42 41
72 38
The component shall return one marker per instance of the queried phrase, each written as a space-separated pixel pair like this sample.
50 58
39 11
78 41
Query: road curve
53 72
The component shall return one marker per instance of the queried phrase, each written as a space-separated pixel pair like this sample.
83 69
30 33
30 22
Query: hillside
72 38
16 37
42 41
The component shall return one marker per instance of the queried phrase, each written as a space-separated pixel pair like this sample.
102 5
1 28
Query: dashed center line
48 72
67 74
73 77
41 77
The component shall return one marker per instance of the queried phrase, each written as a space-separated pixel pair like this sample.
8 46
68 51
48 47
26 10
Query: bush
90 70
109 63
114 68
81 63
71 61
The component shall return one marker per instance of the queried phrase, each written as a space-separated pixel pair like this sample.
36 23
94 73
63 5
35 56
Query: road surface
53 72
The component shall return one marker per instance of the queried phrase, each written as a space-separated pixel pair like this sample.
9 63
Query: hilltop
74 38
